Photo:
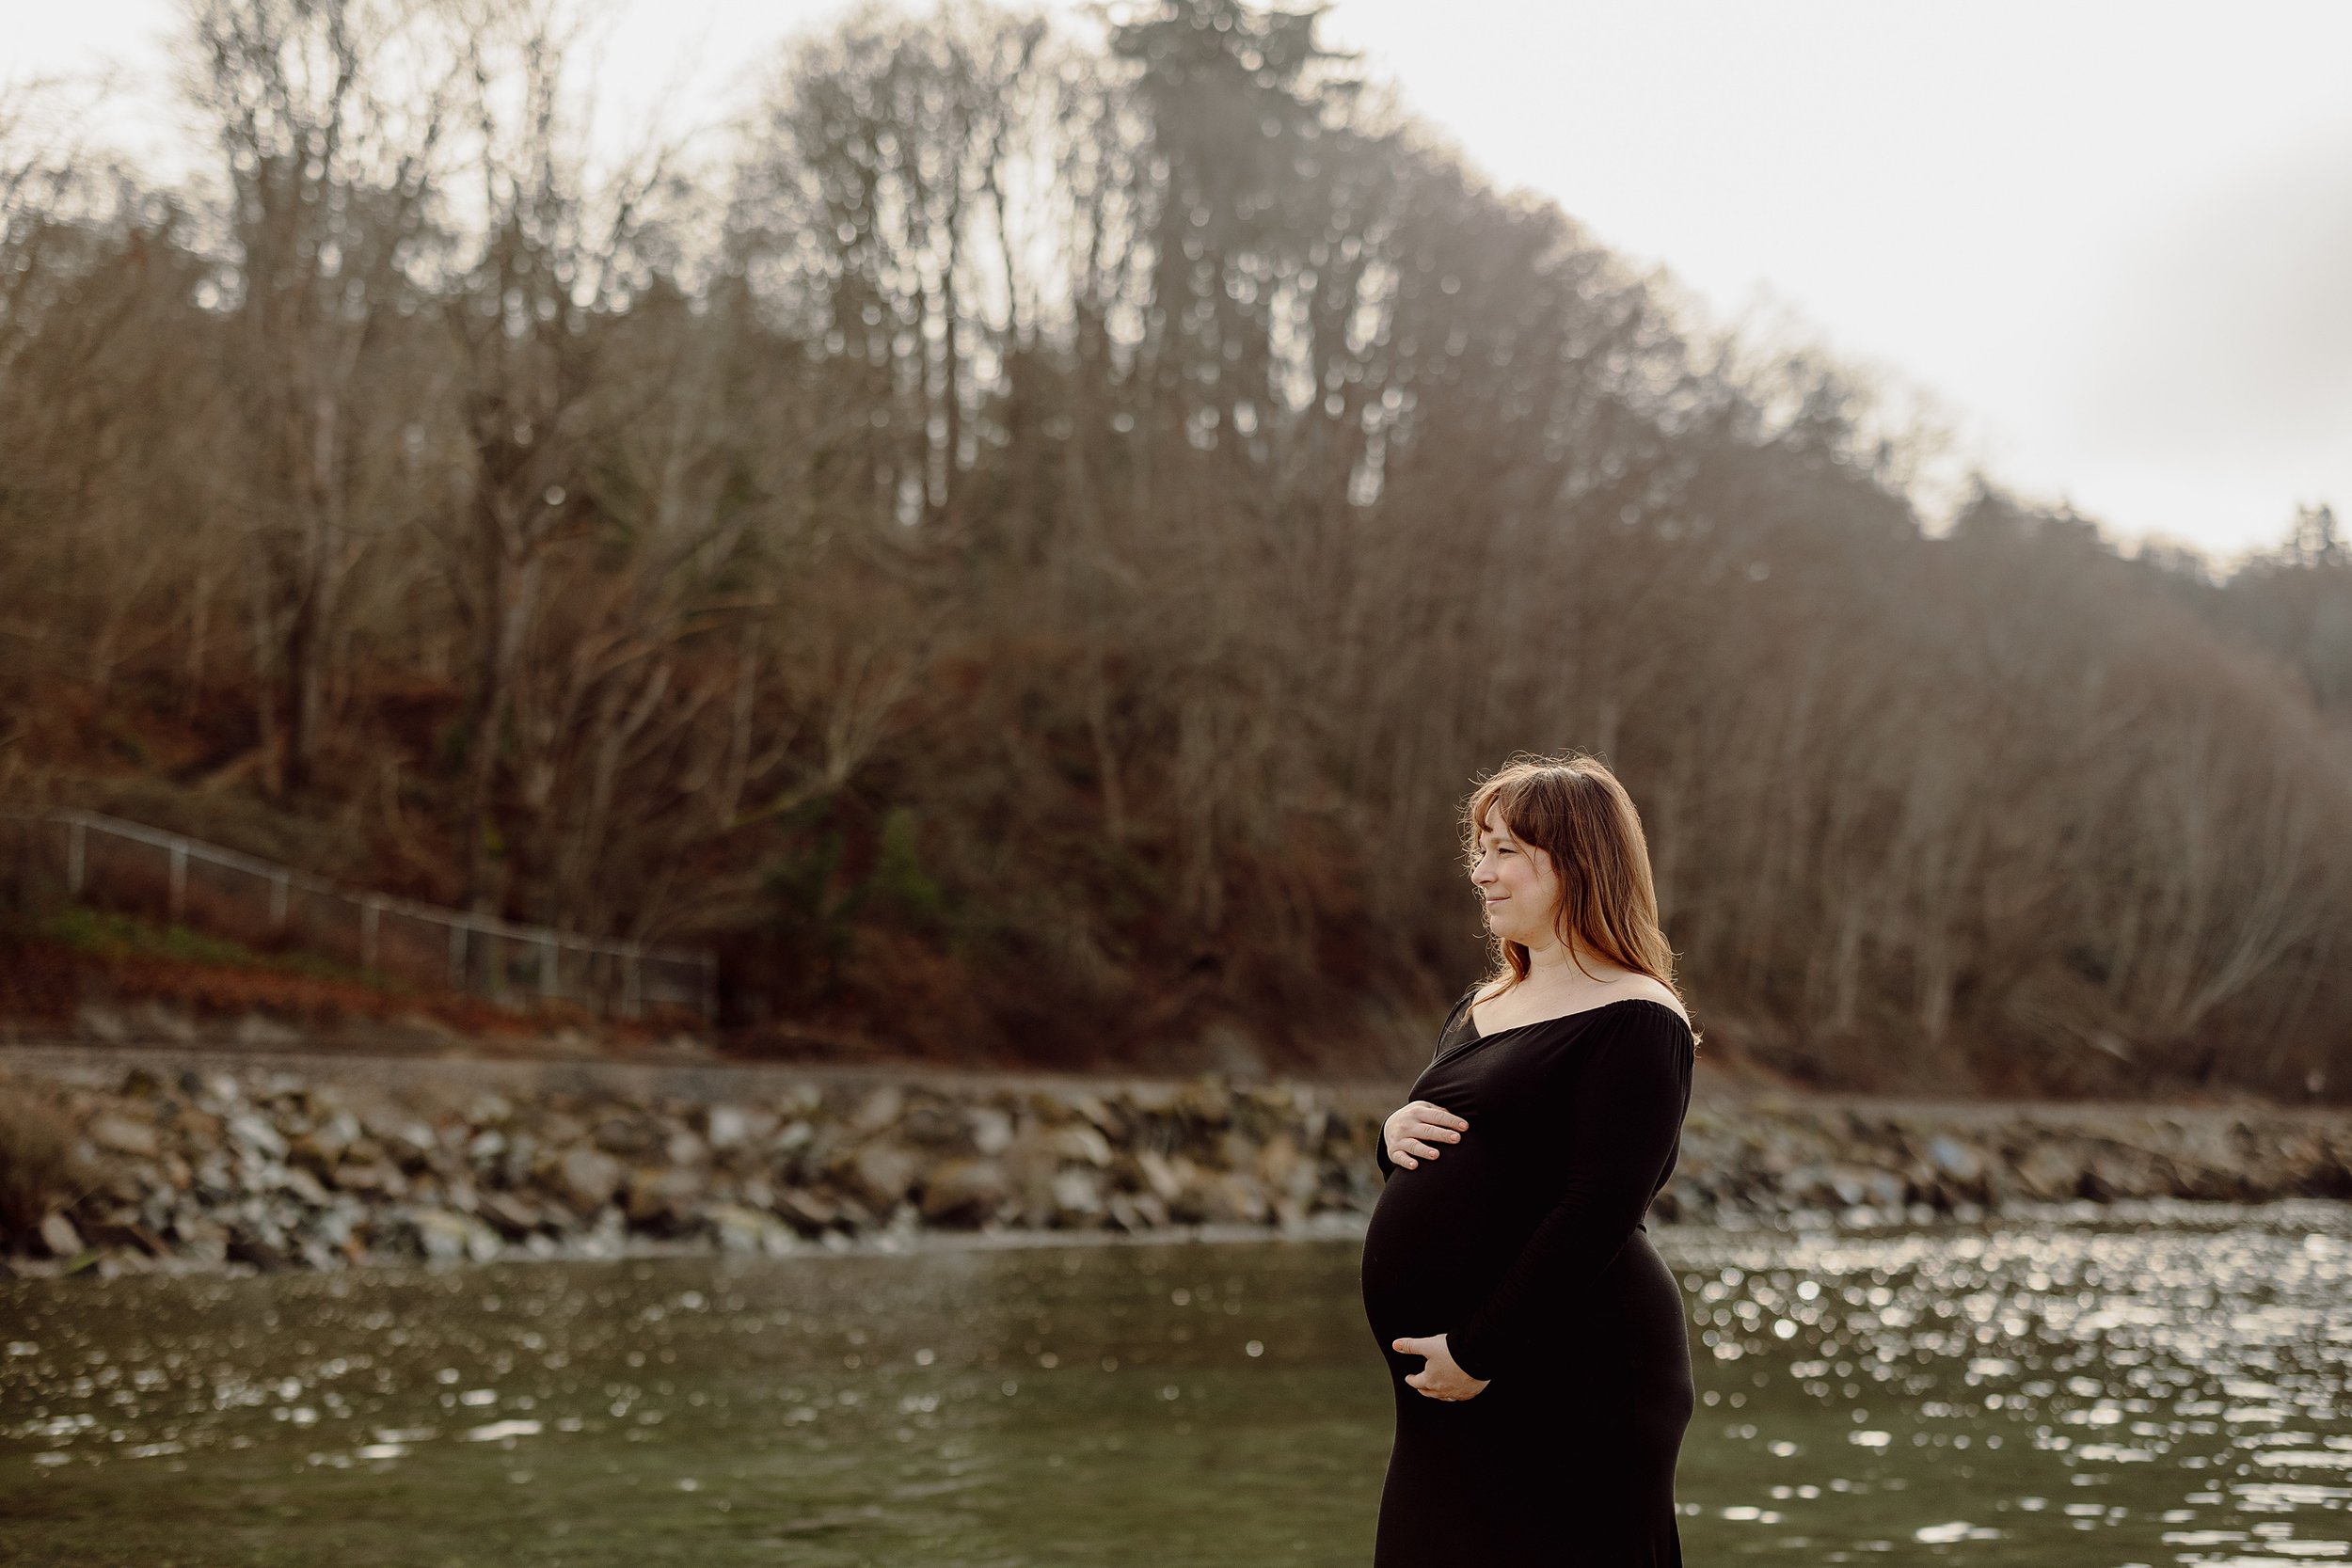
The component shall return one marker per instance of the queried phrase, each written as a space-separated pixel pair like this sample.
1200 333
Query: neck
1553 957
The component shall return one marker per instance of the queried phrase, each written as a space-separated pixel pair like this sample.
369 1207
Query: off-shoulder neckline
1470 1015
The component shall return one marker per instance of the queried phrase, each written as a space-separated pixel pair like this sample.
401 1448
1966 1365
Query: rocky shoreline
257 1167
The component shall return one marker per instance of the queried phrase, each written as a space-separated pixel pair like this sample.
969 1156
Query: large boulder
741 1229
882 1173
1195 1194
1136 1211
258 1246
513 1215
59 1236
878 1109
990 1129
303 1185
323 1148
251 1132
732 1127
587 1178
439 1236
365 1178
1207 1101
2052 1170
932 1122
1057 1106
121 1135
1290 1177
664 1198
1955 1160
810 1213
1226 1197
1077 1197
964 1192
2117 1172
1164 1176
631 1136
1079 1143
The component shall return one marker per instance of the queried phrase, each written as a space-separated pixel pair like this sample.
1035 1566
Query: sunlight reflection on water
2078 1386
2173 1391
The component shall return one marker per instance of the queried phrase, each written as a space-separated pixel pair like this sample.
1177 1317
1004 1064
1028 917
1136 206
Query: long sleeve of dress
1623 1107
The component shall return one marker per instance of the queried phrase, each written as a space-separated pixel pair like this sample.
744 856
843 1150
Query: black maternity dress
1524 1243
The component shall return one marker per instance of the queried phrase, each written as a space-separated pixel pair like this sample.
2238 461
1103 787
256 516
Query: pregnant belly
1438 1241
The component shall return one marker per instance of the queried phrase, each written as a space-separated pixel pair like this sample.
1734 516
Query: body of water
2082 1387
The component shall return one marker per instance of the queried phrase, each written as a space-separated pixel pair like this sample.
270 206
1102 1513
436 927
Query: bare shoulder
1642 988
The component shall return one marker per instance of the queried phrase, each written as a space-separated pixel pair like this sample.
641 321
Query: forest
1023 543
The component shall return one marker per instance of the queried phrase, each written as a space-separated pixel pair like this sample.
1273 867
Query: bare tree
1047 526
328 117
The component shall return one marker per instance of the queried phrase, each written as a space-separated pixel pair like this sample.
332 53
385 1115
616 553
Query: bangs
1485 809
1496 805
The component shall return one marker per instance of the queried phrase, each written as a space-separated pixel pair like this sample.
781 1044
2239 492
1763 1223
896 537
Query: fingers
1419 1382
1409 1151
1433 1120
1416 1127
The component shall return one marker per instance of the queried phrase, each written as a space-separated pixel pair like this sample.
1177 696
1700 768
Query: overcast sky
2111 242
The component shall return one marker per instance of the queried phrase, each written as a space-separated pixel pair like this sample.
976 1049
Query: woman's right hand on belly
1415 1129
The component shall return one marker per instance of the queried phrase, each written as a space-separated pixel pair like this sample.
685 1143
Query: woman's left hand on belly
1440 1379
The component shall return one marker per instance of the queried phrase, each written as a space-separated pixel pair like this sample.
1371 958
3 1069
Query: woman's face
1521 888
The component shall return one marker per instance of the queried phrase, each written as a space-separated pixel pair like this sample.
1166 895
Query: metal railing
108 859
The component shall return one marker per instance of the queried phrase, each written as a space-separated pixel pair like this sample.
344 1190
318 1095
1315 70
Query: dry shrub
39 1170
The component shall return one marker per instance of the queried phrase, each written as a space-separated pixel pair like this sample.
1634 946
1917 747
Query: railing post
625 995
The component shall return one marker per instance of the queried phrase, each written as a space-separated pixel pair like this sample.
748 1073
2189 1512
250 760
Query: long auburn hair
1573 809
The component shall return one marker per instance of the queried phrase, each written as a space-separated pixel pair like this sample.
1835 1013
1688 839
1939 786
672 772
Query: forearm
1575 1242
1621 1118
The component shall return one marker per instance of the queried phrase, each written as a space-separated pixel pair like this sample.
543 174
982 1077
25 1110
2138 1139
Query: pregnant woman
1534 1339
